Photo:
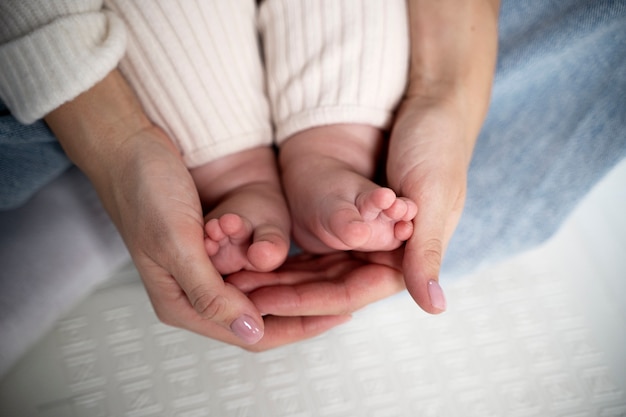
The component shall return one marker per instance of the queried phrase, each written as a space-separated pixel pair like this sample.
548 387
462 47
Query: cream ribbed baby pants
225 76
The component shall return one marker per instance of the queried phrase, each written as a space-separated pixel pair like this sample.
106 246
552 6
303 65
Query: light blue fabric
556 125
30 157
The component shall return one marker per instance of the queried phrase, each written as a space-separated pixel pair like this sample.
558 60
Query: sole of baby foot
376 221
388 218
227 240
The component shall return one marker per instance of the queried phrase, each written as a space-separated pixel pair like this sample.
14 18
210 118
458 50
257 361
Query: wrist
431 141
452 107
105 132
453 55
94 127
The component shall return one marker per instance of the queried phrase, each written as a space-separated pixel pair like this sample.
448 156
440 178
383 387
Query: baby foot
386 217
248 225
233 244
335 206
374 220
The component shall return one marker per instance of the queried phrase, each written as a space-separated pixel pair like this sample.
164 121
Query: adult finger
297 270
280 331
392 259
173 308
438 214
340 296
212 299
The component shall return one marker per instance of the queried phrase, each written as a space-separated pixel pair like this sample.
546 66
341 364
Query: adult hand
453 52
151 198
428 163
305 297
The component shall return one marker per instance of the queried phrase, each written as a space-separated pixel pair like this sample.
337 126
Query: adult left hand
453 56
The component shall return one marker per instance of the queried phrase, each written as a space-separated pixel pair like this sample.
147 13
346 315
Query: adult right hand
150 196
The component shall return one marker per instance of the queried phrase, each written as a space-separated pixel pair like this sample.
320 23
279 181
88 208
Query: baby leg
335 72
334 204
247 226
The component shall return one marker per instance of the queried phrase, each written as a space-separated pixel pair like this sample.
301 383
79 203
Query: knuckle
433 253
207 304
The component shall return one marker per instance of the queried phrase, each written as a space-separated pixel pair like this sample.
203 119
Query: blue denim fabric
30 157
556 125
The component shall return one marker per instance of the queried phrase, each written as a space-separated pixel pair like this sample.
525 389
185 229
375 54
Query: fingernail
247 329
437 299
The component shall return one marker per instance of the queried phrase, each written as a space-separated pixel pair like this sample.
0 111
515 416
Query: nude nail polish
247 329
437 298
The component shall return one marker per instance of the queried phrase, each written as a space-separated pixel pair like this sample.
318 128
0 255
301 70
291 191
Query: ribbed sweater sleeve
51 51
334 61
196 68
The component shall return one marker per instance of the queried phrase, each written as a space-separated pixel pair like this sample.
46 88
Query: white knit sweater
51 51
218 76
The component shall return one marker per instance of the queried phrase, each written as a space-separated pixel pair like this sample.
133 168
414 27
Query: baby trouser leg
196 68
333 61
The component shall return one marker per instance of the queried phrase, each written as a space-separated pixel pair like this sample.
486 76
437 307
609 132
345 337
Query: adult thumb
219 302
423 255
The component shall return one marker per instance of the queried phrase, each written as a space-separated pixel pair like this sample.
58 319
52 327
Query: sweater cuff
57 62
